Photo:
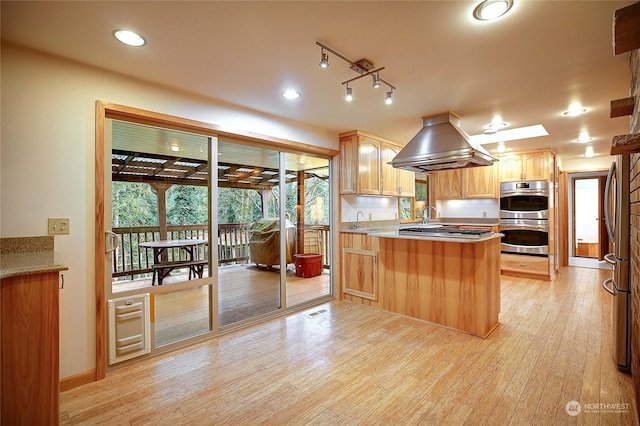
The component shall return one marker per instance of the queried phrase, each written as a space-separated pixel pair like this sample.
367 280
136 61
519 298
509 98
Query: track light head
376 81
324 60
349 95
388 100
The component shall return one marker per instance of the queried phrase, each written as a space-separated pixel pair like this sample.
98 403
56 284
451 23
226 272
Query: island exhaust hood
441 144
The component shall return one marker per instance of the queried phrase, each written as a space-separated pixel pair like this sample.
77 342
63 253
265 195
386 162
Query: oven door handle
541 228
508 193
605 285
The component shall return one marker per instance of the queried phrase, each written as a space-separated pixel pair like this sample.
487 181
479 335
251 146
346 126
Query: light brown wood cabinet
364 168
472 182
359 266
29 308
524 265
479 182
526 166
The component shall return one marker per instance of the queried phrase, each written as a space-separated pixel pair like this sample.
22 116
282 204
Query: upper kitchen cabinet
526 166
472 182
364 168
447 184
479 182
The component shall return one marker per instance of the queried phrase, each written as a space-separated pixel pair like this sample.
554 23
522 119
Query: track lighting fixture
376 80
363 67
388 100
324 59
349 95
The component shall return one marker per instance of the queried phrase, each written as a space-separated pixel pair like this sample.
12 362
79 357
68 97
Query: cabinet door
359 273
511 168
368 166
389 174
479 182
535 166
29 352
448 184
348 165
406 183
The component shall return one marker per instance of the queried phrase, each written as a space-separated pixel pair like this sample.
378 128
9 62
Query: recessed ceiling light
588 152
129 38
575 110
497 125
491 9
584 137
291 94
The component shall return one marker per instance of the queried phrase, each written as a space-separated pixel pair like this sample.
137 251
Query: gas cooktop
444 231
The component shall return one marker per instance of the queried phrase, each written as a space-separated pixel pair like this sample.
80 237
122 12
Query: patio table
164 268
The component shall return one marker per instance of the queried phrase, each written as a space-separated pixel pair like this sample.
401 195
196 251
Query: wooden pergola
162 172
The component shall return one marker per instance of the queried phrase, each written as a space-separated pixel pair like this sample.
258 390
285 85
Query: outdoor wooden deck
244 291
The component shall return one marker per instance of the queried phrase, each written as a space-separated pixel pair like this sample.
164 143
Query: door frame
569 233
108 110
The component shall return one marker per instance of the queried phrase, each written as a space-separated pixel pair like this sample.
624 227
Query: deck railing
130 261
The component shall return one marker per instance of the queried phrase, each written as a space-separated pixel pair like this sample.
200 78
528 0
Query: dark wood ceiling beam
622 107
626 29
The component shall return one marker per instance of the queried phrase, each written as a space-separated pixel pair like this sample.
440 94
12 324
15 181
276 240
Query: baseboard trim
76 380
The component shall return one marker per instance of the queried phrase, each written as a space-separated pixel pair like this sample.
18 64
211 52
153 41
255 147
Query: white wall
488 208
373 208
47 164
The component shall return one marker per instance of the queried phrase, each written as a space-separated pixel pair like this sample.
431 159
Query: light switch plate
58 225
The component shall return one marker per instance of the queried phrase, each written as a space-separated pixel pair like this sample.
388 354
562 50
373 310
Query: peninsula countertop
427 237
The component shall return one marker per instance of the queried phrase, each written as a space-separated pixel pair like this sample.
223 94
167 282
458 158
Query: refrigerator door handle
610 259
606 286
607 207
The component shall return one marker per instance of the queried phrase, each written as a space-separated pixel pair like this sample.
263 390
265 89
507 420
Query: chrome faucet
426 218
357 224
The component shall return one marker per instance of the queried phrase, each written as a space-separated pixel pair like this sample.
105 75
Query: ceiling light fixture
388 100
588 152
489 10
501 147
129 38
575 110
349 95
376 80
291 94
324 59
363 67
584 137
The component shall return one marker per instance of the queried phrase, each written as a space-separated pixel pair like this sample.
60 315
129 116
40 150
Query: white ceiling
526 67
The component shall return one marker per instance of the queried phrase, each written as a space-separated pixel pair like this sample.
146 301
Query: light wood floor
244 292
352 364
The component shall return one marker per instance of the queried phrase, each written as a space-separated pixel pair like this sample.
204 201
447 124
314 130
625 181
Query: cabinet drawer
524 264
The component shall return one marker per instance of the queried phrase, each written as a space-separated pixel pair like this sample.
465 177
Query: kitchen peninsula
451 281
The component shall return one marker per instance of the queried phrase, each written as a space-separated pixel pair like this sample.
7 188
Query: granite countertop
442 221
396 234
29 255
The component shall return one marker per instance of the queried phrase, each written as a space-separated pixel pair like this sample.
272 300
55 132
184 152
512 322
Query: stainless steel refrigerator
617 217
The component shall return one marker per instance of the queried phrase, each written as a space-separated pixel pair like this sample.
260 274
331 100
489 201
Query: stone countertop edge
445 221
394 234
27 256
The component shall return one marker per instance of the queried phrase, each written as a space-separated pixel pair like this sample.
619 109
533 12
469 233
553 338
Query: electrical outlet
370 217
484 214
58 225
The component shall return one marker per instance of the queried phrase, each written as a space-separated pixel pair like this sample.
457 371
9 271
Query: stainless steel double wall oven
524 217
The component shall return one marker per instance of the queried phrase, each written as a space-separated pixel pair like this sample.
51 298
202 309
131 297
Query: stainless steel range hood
441 144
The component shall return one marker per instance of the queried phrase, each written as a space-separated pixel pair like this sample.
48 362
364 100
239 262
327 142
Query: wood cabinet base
456 285
525 266
29 335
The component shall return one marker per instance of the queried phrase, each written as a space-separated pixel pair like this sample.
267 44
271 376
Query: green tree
133 204
187 205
